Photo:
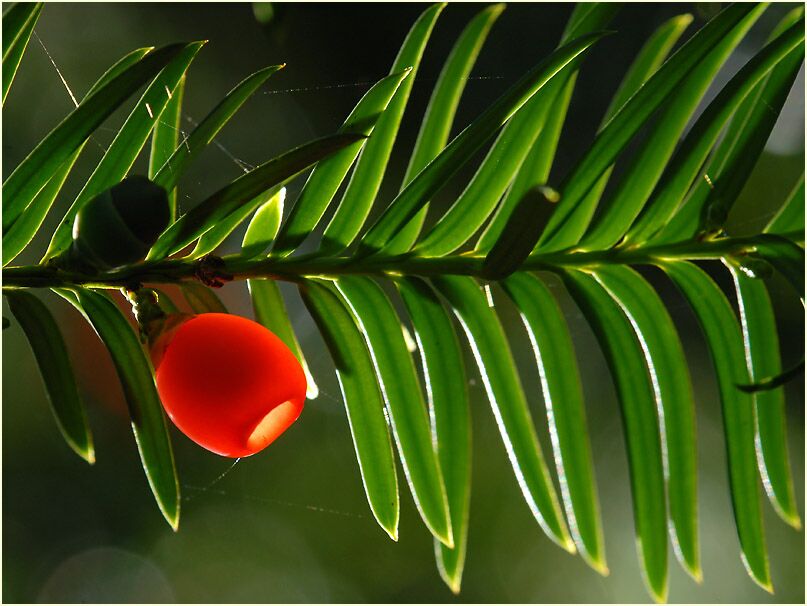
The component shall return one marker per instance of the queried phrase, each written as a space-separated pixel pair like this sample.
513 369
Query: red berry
228 383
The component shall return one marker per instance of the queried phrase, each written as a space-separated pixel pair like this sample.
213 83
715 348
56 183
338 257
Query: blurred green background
291 524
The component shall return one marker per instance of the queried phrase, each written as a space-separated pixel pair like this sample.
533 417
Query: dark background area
291 524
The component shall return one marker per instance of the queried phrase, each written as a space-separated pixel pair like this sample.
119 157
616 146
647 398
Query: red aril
228 383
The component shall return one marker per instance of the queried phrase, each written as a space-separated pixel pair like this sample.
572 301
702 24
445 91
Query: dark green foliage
57 373
120 225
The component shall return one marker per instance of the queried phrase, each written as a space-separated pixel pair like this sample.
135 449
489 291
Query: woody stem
296 268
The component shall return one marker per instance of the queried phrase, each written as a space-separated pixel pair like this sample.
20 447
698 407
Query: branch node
210 271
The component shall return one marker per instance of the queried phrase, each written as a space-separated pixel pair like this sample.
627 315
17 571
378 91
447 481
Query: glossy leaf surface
508 401
363 401
137 380
722 332
447 391
637 400
54 364
404 399
563 398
